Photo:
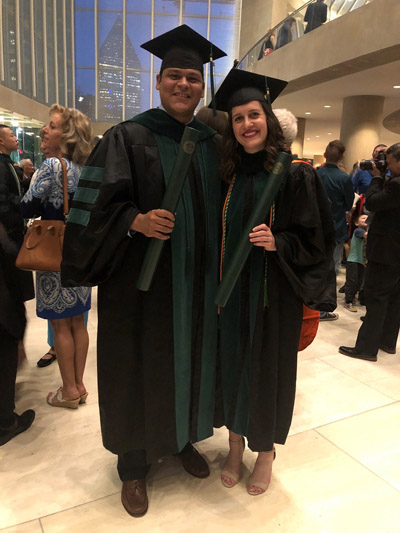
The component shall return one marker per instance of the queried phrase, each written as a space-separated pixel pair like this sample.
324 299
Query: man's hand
375 172
262 236
156 223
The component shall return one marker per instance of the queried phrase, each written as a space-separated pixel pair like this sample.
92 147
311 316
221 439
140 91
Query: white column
361 126
298 143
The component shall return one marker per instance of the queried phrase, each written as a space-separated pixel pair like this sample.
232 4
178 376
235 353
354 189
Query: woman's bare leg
65 348
231 471
81 341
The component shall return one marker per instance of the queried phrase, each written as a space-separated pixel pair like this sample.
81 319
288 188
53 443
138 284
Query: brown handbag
43 241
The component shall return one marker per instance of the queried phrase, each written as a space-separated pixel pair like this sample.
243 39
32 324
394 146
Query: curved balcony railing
295 25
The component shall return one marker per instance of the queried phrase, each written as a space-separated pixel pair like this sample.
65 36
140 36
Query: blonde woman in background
68 135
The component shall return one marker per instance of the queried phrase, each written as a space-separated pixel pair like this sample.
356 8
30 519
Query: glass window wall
120 94
9 17
26 46
39 50
86 53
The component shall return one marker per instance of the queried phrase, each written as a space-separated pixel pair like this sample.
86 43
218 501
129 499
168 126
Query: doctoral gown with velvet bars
156 349
261 323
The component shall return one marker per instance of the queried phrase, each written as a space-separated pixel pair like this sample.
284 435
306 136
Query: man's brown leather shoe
193 462
134 497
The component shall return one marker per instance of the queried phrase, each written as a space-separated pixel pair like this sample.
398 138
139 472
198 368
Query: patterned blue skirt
54 301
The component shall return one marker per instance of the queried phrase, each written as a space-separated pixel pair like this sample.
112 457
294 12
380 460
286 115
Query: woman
261 323
68 135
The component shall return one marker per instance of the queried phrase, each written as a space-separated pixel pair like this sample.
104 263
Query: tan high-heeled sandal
83 397
230 479
255 488
56 400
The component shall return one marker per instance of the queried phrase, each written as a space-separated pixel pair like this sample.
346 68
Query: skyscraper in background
110 86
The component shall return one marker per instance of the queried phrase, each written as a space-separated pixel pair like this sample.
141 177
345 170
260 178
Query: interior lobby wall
354 51
260 15
256 19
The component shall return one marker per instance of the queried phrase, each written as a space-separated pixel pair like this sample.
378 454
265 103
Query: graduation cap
240 87
183 47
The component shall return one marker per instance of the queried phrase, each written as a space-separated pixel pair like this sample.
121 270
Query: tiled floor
339 471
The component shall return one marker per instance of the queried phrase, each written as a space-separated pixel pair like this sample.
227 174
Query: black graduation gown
156 349
261 323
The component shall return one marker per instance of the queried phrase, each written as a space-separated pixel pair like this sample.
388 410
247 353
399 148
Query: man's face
377 151
180 91
8 141
393 165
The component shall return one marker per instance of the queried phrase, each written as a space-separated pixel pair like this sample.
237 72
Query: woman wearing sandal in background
261 323
68 135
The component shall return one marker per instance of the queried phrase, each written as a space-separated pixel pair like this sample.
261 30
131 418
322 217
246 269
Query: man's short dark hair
379 146
334 151
394 150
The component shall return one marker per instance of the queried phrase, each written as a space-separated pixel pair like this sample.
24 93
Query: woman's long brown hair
230 154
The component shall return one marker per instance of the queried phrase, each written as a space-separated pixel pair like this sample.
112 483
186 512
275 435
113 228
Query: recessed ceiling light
330 133
396 86
317 136
327 106
307 113
308 139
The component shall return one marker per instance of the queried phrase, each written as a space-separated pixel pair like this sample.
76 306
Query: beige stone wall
256 19
260 15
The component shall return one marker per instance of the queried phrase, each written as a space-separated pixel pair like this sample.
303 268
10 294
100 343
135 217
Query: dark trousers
8 375
133 465
354 280
382 299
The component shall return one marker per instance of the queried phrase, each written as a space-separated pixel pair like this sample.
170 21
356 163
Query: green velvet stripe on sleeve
79 216
92 174
88 196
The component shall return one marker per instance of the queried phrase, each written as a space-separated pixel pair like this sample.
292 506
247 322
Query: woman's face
249 124
52 135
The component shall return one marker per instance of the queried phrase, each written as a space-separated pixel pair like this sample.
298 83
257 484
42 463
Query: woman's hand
262 236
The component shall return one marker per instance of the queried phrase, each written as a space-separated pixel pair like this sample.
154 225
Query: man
15 287
362 178
27 167
156 349
381 323
340 192
285 33
315 15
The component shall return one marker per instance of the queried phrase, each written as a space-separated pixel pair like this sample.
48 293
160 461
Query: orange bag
309 327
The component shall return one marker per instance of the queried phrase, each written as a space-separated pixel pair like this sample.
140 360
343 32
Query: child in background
355 262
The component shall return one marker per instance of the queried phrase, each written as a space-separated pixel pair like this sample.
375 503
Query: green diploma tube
234 268
170 202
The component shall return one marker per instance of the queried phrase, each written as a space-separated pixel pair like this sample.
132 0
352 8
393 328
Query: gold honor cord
260 211
214 108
